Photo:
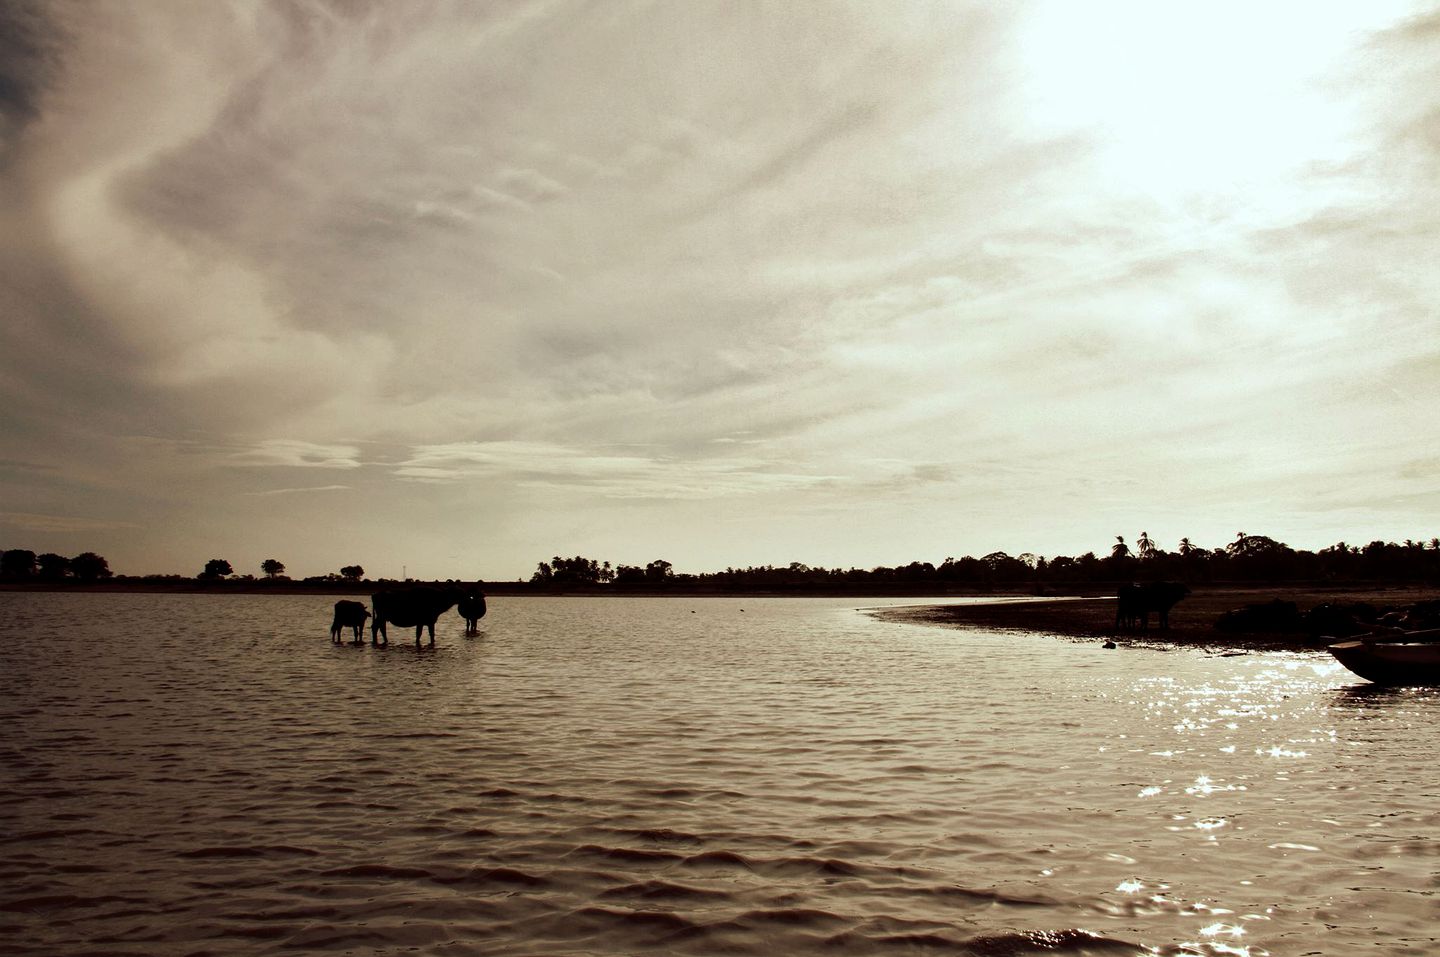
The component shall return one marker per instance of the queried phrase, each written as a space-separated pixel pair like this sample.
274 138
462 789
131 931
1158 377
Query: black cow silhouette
1134 603
472 609
349 614
415 605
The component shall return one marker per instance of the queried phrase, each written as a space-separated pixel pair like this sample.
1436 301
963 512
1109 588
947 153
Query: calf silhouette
349 614
472 609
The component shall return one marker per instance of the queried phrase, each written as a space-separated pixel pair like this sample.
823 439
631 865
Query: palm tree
1119 549
1186 547
1146 545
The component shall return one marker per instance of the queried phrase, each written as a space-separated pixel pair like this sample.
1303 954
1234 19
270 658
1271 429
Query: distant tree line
20 564
23 565
565 572
1249 558
217 569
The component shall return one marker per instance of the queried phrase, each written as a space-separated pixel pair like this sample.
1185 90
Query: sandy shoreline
1192 622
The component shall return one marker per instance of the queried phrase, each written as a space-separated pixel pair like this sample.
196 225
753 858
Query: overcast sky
455 287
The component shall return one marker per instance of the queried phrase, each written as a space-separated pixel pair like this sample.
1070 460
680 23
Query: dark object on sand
1275 615
1333 620
349 614
1134 603
1408 658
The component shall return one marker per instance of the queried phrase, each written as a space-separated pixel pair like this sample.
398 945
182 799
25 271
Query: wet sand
1192 621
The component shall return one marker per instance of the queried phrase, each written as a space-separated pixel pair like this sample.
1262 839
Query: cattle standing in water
472 609
1134 603
349 614
416 605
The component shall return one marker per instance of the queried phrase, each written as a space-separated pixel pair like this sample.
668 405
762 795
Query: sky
446 289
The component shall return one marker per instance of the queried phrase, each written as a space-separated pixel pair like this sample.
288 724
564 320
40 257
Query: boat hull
1390 663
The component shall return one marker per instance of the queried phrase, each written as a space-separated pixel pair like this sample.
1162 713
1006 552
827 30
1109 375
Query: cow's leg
379 628
432 632
418 629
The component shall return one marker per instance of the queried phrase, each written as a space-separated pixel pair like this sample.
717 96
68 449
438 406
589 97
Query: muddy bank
1192 621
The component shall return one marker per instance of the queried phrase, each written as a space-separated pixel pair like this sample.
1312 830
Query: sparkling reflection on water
208 774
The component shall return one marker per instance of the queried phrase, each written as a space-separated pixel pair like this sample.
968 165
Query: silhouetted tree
217 568
17 563
1120 561
352 573
1000 567
1259 557
629 575
658 571
1145 546
52 567
87 566
271 567
568 571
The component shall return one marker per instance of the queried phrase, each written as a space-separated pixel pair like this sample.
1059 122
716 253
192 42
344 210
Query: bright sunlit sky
455 287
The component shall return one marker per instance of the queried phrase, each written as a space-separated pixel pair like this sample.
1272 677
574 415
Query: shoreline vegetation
1252 592
1193 622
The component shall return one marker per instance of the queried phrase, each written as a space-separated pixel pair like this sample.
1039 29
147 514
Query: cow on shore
349 614
472 609
1134 603
416 606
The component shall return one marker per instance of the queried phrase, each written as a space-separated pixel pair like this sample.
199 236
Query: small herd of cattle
419 606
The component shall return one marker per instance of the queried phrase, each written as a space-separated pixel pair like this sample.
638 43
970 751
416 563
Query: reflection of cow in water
472 609
414 605
348 614
1134 603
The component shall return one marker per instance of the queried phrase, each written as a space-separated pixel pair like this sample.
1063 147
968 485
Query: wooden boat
1405 658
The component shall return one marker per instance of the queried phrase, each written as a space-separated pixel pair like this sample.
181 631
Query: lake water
209 775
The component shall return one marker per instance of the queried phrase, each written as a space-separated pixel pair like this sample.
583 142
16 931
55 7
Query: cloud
60 524
296 454
308 488
905 261
609 474
29 61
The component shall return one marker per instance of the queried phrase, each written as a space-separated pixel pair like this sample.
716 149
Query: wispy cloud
297 454
59 524
623 476
307 488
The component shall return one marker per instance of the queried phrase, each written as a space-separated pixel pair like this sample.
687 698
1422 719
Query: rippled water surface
210 775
